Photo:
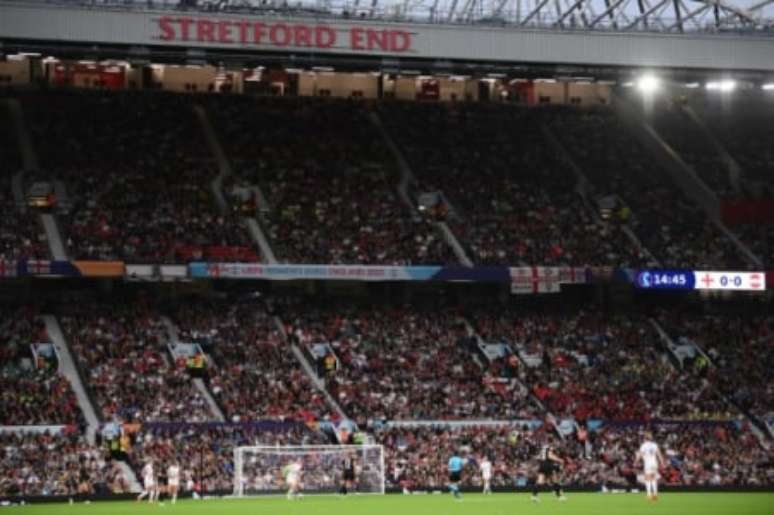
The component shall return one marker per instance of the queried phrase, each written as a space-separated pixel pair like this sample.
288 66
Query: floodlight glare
725 86
648 84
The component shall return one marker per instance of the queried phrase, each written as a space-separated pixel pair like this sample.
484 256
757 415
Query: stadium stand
595 365
21 235
616 165
32 392
136 168
206 451
686 138
733 353
404 362
329 180
515 197
697 454
122 352
56 463
253 373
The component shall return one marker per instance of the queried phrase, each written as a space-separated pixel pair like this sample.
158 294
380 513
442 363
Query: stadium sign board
52 24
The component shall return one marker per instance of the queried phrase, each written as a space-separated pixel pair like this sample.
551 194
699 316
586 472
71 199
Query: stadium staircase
53 237
69 370
681 173
758 427
406 179
310 371
197 381
225 170
585 190
734 170
32 163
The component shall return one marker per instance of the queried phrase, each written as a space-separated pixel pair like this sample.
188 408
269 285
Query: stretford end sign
281 35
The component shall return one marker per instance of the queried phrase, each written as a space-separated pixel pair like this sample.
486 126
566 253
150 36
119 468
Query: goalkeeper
456 464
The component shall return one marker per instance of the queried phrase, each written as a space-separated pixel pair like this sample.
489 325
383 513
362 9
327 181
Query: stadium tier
423 380
178 179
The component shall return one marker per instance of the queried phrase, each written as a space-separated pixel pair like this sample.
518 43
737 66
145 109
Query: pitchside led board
672 279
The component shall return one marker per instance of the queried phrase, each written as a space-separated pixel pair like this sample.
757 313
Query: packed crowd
56 463
137 174
740 347
254 374
329 180
205 452
675 231
744 128
21 235
696 454
405 362
516 199
592 365
122 353
31 391
692 145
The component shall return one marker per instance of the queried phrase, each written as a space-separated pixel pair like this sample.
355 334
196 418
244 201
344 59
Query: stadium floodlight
648 84
256 468
724 86
768 87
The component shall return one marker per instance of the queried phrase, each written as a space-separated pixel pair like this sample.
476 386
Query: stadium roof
619 15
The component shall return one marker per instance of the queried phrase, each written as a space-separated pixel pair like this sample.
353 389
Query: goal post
258 469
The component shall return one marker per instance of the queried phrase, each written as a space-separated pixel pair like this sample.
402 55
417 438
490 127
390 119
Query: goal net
258 470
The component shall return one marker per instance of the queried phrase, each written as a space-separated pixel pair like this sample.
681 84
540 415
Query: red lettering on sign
356 39
324 37
224 32
279 34
242 24
185 23
377 39
166 28
205 31
257 33
401 41
302 35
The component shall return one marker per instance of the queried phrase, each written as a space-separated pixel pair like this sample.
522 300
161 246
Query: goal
258 469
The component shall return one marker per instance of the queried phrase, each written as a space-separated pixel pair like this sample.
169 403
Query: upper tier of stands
137 171
329 179
517 200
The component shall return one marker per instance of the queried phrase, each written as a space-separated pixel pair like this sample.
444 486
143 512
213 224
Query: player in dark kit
550 466
161 483
347 474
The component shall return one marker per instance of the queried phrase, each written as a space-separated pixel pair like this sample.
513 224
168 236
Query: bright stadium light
768 87
648 84
725 86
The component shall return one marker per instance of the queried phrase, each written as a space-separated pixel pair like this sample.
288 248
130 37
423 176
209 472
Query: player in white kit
486 474
173 479
148 483
292 472
651 458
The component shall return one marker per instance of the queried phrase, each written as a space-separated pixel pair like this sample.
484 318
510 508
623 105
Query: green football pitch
471 504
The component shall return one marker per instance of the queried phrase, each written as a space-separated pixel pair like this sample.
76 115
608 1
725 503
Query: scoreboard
679 279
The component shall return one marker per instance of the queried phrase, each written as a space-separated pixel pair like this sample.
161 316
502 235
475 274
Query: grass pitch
472 504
